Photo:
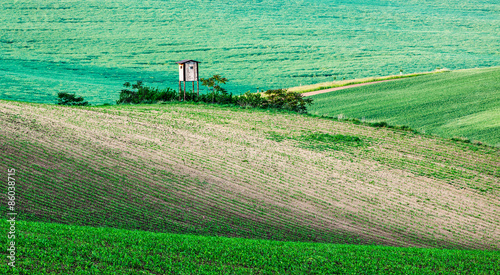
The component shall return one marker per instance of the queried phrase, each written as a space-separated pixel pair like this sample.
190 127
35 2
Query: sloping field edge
346 83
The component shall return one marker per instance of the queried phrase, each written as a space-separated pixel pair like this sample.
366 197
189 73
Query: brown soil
399 189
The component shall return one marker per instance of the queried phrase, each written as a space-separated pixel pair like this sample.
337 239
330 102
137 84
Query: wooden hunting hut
188 72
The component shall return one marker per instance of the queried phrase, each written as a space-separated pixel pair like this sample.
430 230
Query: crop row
202 172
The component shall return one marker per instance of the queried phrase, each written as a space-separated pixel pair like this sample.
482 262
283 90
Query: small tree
64 98
213 84
283 99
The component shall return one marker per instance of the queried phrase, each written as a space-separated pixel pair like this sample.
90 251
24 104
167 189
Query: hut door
190 71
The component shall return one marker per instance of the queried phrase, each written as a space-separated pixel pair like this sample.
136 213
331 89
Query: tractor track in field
345 87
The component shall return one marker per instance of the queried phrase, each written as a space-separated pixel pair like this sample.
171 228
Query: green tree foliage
144 94
64 98
214 85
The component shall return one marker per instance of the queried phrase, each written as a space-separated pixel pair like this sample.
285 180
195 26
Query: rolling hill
228 172
462 103
185 188
210 170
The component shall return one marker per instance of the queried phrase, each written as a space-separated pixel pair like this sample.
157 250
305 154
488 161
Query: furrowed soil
209 170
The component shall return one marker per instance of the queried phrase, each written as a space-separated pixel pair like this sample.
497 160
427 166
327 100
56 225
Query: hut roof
186 61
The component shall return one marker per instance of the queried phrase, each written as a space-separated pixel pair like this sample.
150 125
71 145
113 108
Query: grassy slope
93 47
463 103
231 172
50 249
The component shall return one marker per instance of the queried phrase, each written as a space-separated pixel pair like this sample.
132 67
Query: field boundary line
346 87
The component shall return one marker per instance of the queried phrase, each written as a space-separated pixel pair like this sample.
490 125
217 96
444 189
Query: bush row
274 99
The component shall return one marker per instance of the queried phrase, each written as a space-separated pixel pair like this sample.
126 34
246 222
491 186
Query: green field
50 249
463 103
264 175
93 47
192 188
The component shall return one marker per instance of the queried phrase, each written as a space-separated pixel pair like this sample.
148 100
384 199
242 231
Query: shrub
283 99
165 95
144 94
461 139
379 124
404 128
64 98
248 99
